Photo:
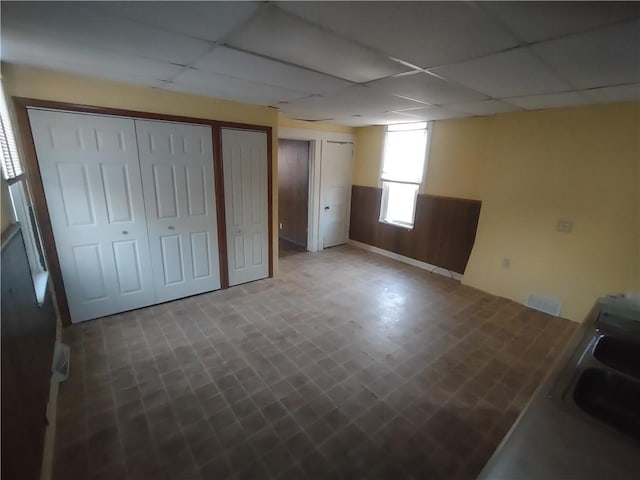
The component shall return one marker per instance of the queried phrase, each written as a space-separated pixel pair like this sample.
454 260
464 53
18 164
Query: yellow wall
579 164
457 157
368 156
29 82
531 169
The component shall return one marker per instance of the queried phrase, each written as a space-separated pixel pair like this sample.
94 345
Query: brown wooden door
293 190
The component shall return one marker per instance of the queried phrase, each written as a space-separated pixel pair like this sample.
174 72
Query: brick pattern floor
347 365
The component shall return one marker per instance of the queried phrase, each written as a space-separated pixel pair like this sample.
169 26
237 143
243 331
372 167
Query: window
402 170
22 210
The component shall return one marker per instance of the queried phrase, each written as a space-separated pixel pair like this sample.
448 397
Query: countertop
554 438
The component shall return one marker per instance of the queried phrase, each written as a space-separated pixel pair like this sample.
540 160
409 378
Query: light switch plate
564 226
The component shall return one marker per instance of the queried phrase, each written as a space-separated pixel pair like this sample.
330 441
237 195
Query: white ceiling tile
102 72
60 54
92 27
607 56
550 100
426 34
207 20
355 100
508 74
619 93
534 21
221 86
352 122
425 88
385 118
227 61
369 100
283 37
325 106
433 112
145 44
484 107
299 113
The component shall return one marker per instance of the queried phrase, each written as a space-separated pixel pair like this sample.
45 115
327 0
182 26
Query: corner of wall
576 164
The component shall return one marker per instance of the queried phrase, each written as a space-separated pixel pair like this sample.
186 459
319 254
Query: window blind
11 165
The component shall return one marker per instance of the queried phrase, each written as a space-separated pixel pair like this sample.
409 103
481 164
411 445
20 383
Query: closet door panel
244 155
177 170
91 178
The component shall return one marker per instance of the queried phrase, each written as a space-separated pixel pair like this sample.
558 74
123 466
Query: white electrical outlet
506 263
280 226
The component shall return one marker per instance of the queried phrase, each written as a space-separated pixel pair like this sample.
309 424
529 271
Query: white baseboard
407 260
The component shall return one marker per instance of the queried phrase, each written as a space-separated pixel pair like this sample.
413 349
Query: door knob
124 232
172 228
327 207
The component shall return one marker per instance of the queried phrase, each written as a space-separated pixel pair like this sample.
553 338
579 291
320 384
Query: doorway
335 193
293 196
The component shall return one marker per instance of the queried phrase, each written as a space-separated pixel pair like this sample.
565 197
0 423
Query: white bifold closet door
176 161
244 157
91 177
132 206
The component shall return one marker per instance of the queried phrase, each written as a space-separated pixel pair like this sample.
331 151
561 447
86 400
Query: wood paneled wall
28 337
293 190
443 233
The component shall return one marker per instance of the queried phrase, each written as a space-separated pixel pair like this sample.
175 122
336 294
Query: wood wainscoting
443 234
28 335
293 190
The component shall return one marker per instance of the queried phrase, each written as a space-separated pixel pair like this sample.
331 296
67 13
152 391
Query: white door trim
315 137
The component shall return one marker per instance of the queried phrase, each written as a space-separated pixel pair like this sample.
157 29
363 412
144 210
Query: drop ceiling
352 63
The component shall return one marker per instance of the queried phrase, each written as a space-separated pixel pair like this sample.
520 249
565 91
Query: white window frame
384 201
21 206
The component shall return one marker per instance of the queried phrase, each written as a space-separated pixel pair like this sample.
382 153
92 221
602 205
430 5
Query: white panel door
244 156
91 178
176 161
335 193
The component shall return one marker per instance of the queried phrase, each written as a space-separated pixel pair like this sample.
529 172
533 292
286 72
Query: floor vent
544 304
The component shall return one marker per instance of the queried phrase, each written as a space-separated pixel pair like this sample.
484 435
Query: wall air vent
544 304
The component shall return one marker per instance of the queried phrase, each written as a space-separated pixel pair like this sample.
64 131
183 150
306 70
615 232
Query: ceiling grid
354 63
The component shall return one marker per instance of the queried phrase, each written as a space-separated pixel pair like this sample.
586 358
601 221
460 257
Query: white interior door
91 178
176 161
335 192
244 156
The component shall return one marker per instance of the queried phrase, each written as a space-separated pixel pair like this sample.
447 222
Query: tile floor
287 248
347 365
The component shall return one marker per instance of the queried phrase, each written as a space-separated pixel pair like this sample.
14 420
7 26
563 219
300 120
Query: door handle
172 228
327 207
124 232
